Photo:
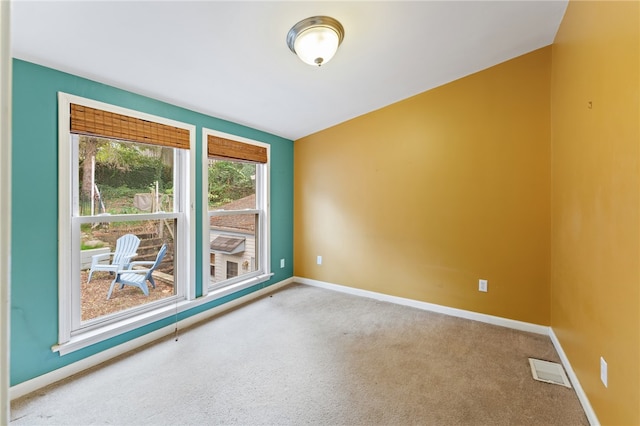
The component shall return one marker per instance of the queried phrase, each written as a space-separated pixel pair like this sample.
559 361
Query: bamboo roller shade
95 122
218 147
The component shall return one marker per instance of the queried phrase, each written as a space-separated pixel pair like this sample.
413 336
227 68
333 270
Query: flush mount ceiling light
315 40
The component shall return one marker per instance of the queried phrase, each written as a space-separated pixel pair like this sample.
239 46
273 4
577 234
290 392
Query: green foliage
84 246
229 181
110 193
122 170
119 200
126 210
131 165
140 177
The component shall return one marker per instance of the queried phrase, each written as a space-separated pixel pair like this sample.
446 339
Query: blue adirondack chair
126 247
138 277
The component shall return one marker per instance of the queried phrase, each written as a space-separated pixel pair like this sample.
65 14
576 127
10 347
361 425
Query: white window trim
247 280
69 340
5 206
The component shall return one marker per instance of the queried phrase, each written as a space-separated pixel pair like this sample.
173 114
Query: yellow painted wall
595 279
422 198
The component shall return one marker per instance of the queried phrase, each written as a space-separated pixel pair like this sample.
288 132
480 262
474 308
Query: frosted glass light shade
315 40
317 45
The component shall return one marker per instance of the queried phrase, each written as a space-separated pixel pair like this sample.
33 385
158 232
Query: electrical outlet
483 285
319 260
282 263
603 372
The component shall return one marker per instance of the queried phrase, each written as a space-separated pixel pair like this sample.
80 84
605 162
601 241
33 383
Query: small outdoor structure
228 245
233 240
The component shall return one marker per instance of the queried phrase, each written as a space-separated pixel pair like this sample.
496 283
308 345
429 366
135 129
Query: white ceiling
230 59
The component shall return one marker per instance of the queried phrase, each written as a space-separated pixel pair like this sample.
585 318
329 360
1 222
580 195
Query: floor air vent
549 372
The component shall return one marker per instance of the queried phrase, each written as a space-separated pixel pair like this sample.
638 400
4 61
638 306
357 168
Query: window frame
71 338
263 247
232 269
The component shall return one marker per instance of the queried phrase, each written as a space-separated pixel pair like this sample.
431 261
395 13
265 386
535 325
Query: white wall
5 206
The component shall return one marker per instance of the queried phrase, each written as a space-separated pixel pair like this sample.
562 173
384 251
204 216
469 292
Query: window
117 180
232 269
121 172
236 240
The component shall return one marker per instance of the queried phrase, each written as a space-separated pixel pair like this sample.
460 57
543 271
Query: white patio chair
126 247
139 277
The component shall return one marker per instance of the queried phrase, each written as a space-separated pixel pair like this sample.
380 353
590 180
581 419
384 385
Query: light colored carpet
311 356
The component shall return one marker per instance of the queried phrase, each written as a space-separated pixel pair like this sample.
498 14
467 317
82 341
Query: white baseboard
36 383
454 312
582 396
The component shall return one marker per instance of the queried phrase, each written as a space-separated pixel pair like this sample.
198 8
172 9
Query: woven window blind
95 122
222 148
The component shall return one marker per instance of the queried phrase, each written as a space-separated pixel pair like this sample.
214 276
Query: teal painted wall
34 262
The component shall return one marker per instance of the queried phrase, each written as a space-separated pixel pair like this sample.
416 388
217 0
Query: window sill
234 288
86 339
